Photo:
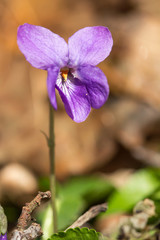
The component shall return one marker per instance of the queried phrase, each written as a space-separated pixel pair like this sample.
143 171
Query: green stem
51 145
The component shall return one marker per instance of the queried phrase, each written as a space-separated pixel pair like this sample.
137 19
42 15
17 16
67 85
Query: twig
25 216
91 213
141 153
34 230
147 156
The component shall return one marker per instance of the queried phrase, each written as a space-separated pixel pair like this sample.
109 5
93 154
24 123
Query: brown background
113 137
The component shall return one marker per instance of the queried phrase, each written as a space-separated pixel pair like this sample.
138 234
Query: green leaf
77 234
68 210
141 185
91 188
73 198
3 221
47 224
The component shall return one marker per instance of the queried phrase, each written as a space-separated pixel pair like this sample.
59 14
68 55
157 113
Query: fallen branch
34 230
91 213
146 156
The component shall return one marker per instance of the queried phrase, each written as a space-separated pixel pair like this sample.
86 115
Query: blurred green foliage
79 193
73 198
141 185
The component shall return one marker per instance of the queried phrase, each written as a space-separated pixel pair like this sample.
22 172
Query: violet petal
89 46
51 82
41 47
3 237
75 98
96 84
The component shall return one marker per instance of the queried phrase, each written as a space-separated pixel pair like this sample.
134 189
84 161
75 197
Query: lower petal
75 98
51 82
96 84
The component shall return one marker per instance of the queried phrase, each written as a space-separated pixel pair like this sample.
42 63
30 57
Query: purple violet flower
3 237
71 67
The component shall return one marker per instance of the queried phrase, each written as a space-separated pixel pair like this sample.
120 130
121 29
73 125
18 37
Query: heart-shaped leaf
77 234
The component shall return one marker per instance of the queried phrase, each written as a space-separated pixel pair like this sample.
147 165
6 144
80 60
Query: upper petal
75 98
89 46
96 84
41 47
51 82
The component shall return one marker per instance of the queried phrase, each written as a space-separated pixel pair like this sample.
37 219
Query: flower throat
64 73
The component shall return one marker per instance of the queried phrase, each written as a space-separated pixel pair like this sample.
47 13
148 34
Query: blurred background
115 141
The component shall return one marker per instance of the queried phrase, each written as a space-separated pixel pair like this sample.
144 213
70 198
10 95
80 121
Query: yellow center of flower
64 74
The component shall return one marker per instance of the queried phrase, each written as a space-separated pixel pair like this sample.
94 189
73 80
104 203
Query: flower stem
51 145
